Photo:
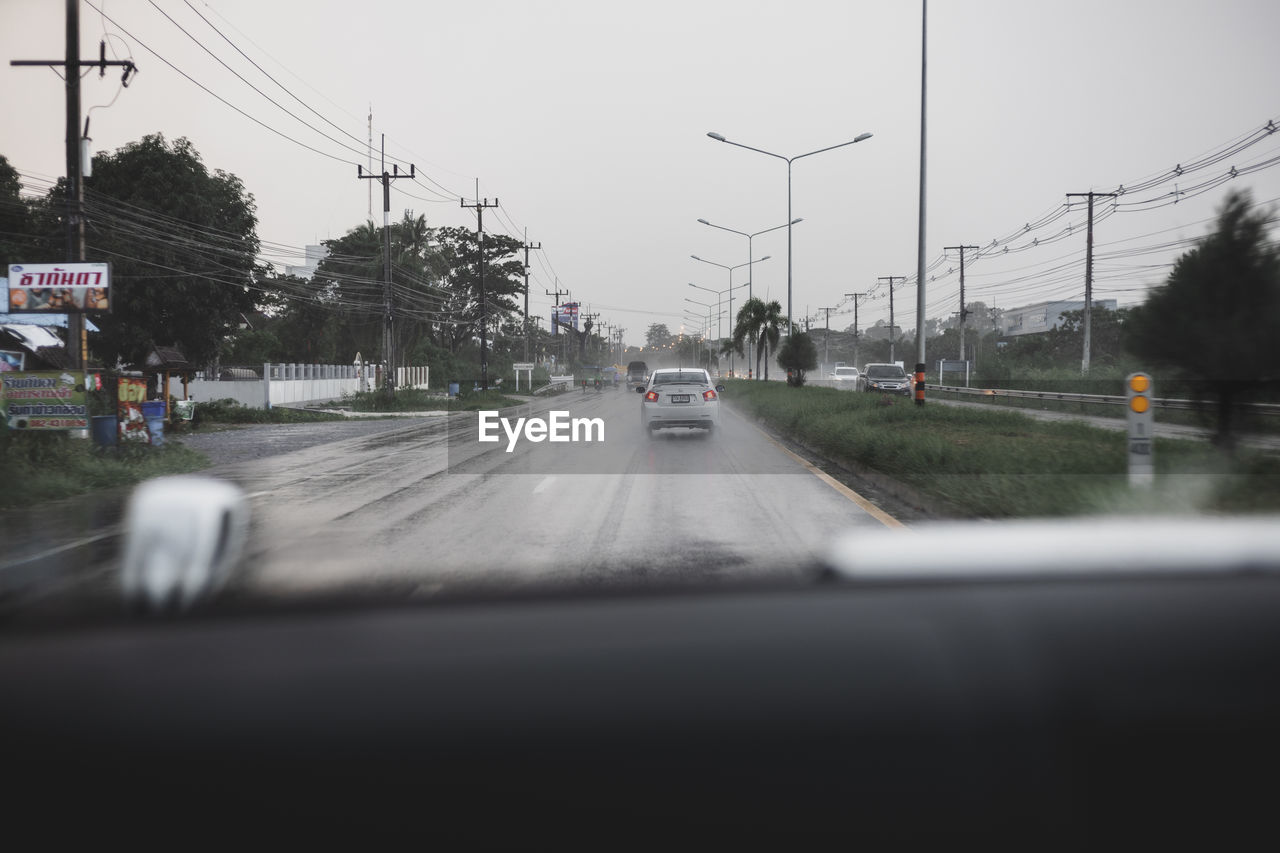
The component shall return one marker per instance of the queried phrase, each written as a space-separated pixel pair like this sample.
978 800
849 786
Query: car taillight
709 395
651 397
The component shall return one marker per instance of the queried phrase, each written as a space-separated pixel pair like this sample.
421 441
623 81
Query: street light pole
720 138
750 269
730 290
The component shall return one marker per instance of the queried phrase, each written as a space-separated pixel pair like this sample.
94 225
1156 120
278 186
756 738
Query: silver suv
885 378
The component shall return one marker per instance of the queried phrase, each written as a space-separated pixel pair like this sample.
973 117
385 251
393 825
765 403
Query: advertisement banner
59 288
44 400
10 360
567 314
133 425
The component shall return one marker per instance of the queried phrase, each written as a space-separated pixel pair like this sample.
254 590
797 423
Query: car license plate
679 398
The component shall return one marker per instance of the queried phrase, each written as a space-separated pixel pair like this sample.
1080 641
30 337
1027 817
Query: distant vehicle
680 398
844 374
637 374
839 364
885 378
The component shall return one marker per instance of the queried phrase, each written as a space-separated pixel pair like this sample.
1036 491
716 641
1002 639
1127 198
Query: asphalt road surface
422 509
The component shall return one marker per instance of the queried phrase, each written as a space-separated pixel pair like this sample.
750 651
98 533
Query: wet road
422 509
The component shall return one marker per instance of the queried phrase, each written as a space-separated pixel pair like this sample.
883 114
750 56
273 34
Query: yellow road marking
865 505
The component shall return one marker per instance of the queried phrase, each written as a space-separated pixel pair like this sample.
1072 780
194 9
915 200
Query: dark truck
637 374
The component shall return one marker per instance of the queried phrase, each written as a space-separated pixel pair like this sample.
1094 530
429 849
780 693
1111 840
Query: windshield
406 276
695 377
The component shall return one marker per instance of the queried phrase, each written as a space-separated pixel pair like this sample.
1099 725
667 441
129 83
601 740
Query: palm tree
747 326
770 331
759 323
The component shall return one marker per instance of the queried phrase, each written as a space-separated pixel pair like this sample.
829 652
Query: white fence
281 384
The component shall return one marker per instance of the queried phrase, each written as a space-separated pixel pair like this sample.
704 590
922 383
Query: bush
798 354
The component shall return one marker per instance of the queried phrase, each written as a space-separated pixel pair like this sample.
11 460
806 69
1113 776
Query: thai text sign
59 288
44 400
130 394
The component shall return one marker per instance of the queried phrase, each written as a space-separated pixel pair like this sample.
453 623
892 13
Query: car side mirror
639 389
720 388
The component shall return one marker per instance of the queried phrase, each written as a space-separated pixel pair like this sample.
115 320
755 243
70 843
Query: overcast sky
588 120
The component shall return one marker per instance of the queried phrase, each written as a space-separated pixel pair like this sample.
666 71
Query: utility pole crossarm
479 207
388 336
527 248
964 312
1088 278
77 343
891 279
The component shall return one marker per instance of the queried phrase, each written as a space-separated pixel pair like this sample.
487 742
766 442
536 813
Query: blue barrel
153 412
104 430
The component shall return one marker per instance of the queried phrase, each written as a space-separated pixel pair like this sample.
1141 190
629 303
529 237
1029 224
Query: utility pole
527 247
963 311
891 279
855 296
1088 277
555 322
388 340
479 207
370 161
71 64
826 343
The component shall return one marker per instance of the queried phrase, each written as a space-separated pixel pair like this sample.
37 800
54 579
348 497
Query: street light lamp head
704 222
766 257
716 136
861 137
796 220
695 257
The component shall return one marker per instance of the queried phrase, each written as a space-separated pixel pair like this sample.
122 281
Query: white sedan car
680 397
844 374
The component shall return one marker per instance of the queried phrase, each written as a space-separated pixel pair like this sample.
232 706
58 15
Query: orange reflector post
919 384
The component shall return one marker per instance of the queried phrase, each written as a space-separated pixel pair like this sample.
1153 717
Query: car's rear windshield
885 371
684 377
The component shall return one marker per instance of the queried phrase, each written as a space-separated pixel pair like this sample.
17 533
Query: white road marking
547 481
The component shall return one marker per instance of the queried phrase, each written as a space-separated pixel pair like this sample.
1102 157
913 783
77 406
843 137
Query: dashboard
1050 712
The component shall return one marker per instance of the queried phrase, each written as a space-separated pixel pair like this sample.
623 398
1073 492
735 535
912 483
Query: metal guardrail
1158 402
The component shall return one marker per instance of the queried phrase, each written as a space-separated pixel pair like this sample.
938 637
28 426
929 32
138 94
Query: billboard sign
43 400
59 288
567 314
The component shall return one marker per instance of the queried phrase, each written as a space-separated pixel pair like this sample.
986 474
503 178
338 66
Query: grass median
976 463
414 400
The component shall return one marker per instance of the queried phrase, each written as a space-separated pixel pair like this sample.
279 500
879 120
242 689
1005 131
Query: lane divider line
865 505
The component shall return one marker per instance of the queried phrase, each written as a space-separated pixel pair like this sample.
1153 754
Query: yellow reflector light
1140 384
1139 404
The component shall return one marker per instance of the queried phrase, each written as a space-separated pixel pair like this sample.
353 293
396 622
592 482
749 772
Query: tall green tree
15 219
1216 319
797 356
657 335
182 243
456 309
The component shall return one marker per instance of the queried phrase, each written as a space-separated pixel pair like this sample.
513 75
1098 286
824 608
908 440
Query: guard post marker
1138 391
919 383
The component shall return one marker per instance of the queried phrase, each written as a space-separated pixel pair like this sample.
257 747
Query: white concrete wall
295 383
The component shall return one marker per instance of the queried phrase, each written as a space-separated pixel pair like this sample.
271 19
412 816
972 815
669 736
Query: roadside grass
229 411
1203 418
416 400
1000 463
41 467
